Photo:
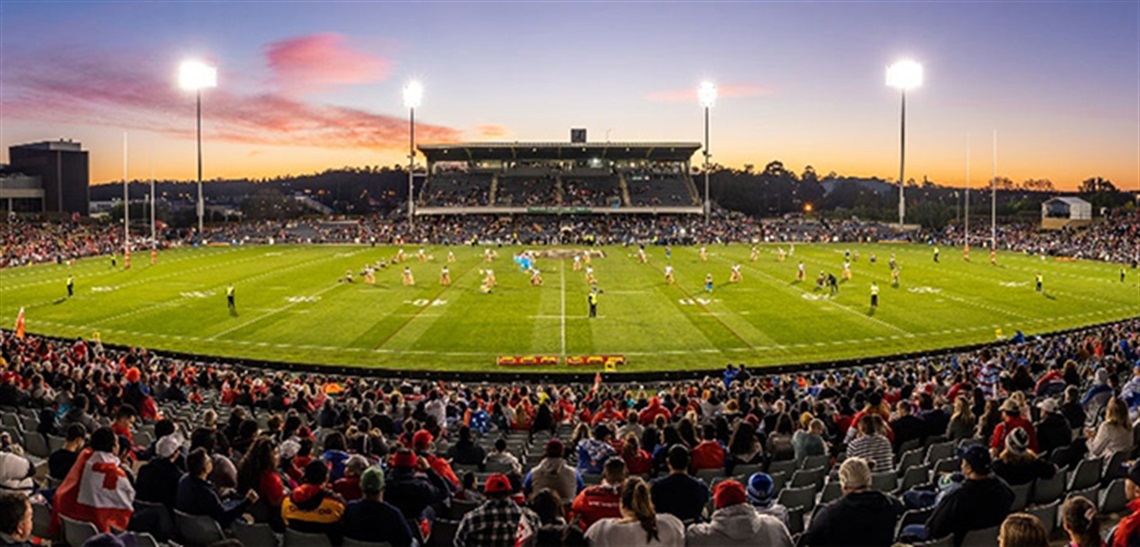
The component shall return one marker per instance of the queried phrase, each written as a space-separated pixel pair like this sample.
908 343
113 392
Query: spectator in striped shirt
871 444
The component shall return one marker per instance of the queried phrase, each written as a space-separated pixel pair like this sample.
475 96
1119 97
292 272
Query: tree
1038 185
1004 183
1095 185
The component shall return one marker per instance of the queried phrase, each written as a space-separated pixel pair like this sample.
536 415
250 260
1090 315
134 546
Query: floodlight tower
706 93
903 75
413 95
196 76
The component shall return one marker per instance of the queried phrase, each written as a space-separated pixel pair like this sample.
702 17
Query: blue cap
759 489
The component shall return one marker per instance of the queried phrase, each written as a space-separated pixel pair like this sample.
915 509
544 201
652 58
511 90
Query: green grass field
291 308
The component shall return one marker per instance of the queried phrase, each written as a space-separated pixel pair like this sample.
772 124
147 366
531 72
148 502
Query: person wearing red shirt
601 500
637 461
651 412
607 414
421 444
1013 420
1127 533
124 418
709 454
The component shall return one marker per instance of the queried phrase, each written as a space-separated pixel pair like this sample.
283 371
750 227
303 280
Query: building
1060 212
62 170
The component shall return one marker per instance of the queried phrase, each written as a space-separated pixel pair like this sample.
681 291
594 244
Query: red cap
404 458
497 484
727 493
133 374
421 439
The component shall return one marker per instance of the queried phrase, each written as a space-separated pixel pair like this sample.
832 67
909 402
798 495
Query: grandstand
558 178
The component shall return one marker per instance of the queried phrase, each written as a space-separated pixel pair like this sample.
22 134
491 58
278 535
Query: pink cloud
133 94
726 91
318 61
491 131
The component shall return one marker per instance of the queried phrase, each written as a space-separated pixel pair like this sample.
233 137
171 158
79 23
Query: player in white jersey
754 255
781 255
450 256
590 276
641 255
847 271
801 275
408 279
445 277
669 275
577 263
489 278
422 254
535 277
704 255
735 276
488 255
399 256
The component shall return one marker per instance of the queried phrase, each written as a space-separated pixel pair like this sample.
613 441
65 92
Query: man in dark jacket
61 461
158 479
982 501
907 426
1054 430
196 495
678 493
862 515
372 519
412 486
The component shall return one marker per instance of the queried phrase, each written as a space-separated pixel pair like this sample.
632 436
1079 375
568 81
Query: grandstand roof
470 151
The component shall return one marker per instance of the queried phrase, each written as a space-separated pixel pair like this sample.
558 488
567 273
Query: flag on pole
597 381
20 324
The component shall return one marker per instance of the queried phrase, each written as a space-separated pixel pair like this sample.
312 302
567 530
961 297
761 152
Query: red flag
20 324
96 490
597 381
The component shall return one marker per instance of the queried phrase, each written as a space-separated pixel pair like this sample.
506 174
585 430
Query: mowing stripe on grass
421 310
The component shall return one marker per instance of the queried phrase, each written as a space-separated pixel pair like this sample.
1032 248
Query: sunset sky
304 87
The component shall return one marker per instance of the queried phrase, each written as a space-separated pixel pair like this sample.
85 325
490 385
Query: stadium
505 339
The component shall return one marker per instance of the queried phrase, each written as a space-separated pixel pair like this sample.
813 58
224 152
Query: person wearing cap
736 522
349 486
678 493
413 486
595 450
157 480
60 461
861 515
554 473
982 501
371 519
1012 419
1020 465
15 520
761 490
1053 430
421 443
312 507
1127 531
600 500
499 521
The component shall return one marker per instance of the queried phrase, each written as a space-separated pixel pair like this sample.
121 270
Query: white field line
562 279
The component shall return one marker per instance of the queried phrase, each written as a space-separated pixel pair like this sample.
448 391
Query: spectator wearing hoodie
650 413
422 443
554 473
736 522
761 494
1019 465
312 507
862 513
77 414
413 486
601 500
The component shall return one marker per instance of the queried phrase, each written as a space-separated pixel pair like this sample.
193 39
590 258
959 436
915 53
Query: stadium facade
47 176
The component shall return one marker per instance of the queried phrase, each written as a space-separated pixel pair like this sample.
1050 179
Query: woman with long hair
962 422
637 461
989 420
1115 433
257 471
1079 519
780 441
1022 530
743 446
639 525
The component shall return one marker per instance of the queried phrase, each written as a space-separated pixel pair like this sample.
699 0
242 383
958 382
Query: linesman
71 286
230 297
874 295
593 300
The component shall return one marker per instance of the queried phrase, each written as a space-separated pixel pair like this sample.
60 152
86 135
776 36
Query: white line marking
562 278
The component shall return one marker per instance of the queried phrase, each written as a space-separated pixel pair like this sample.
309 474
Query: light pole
195 76
903 75
413 95
706 93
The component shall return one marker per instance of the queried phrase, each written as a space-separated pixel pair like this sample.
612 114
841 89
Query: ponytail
636 503
1080 516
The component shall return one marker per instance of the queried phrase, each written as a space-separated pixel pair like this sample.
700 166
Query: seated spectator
372 519
96 467
1081 522
744 446
501 456
1115 432
553 528
466 451
1127 532
1022 530
809 442
413 487
1019 465
15 520
197 496
554 473
124 421
678 493
709 454
258 471
761 492
1053 430
1012 419
1072 409
594 451
312 508
736 522
496 522
422 443
467 490
861 512
637 461
287 460
77 414
982 501
158 479
640 524
349 486
780 441
335 454
962 421
602 500
872 445
61 461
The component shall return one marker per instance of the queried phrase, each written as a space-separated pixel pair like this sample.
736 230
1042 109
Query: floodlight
707 94
195 75
904 75
413 94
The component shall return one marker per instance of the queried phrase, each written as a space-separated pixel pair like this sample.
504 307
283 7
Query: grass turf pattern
290 306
